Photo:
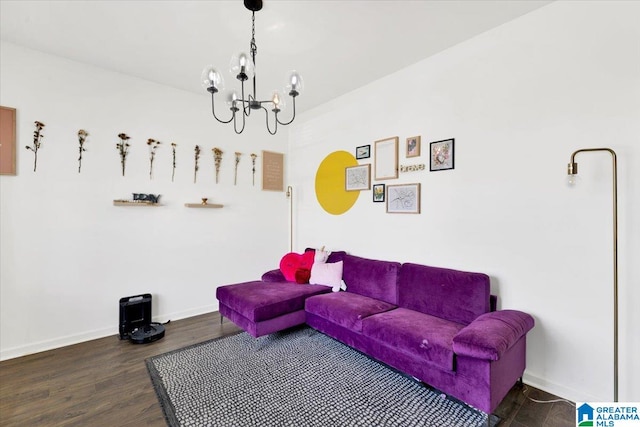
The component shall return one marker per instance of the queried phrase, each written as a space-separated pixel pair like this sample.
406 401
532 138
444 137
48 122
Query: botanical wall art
378 193
123 149
357 178
273 163
37 141
217 159
363 152
153 146
235 172
413 146
253 167
386 161
442 156
173 154
195 164
403 198
7 141
82 138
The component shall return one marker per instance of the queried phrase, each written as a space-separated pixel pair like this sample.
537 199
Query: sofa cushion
273 276
258 301
371 278
453 295
492 334
346 309
418 334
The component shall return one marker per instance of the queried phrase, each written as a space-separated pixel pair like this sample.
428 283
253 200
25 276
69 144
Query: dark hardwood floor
104 382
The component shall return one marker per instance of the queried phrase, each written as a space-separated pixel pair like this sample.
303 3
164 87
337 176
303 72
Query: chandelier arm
292 118
266 115
213 110
235 124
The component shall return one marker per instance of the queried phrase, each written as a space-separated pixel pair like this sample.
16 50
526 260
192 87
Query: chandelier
243 68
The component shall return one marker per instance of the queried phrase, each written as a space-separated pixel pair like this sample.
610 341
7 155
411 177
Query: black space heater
135 320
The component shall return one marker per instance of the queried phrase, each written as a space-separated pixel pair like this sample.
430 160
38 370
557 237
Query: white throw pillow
326 274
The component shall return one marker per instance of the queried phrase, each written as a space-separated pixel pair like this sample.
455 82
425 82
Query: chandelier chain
254 47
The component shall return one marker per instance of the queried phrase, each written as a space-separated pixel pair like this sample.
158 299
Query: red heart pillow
292 262
302 276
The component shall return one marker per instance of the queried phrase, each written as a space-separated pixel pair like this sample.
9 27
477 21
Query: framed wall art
386 161
378 193
363 152
272 171
413 146
357 178
403 198
442 155
7 141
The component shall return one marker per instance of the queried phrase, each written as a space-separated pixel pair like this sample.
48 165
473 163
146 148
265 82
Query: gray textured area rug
298 378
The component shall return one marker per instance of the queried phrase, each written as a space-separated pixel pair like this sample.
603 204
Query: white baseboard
64 341
559 390
51 344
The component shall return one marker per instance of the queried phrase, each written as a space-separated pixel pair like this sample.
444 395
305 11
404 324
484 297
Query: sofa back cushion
454 295
371 278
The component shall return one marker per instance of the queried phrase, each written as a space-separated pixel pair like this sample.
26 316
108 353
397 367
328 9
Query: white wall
518 100
68 255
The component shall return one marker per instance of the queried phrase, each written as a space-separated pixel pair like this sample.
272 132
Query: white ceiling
337 46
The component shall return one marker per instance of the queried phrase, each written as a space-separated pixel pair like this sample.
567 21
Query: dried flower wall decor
195 167
153 146
37 140
235 174
253 167
123 149
82 138
173 152
217 159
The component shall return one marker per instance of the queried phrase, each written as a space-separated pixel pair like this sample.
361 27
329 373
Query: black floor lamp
572 171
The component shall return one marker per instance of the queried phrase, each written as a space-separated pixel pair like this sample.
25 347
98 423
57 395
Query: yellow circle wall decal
330 177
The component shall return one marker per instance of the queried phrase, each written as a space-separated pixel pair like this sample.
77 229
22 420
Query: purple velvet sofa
434 324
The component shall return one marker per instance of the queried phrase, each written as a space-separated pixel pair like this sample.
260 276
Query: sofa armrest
491 334
273 276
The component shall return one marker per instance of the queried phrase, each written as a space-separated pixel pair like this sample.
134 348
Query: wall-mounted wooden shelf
133 203
203 205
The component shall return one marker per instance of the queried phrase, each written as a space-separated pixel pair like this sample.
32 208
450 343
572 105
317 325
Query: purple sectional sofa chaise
434 324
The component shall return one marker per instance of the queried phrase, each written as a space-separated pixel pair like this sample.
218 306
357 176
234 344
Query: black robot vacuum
135 320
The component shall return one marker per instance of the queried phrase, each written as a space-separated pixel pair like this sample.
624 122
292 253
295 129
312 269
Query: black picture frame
363 152
442 155
378 193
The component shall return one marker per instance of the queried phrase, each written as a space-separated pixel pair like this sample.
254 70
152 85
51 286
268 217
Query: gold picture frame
413 146
386 161
7 141
403 198
357 178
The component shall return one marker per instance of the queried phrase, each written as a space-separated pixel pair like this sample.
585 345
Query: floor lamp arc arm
573 170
